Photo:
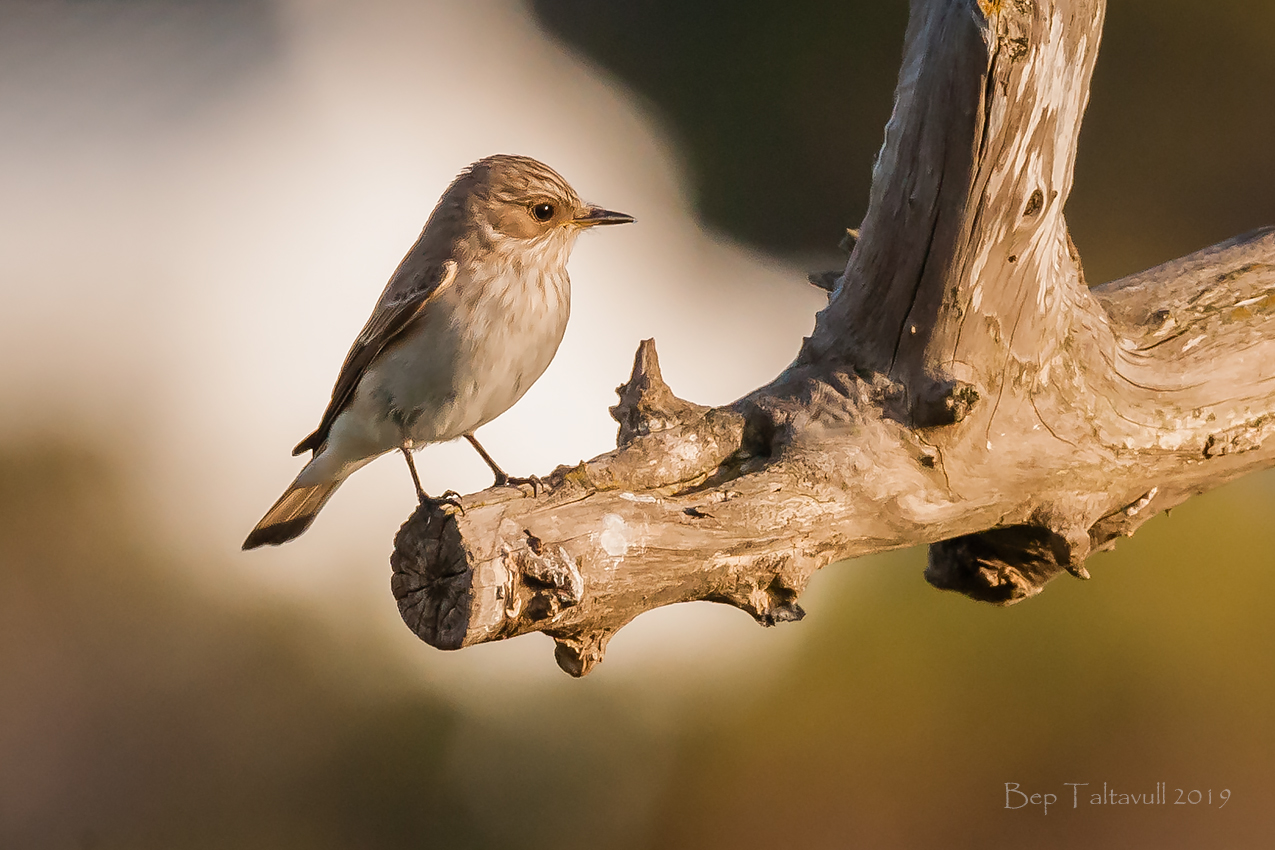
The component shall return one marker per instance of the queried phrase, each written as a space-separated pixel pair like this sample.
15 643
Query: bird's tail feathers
292 514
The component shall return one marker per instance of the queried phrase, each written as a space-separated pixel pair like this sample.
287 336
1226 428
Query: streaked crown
508 205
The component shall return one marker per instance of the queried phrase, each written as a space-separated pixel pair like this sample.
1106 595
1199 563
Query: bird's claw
450 499
510 481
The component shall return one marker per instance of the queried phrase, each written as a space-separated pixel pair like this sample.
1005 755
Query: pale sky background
197 221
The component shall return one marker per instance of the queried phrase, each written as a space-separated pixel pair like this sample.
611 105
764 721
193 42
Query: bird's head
515 203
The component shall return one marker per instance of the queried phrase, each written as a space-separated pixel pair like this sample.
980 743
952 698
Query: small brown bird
471 318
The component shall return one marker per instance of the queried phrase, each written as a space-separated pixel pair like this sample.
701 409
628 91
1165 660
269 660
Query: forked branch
963 388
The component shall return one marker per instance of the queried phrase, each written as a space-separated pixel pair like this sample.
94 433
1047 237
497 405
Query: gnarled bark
963 388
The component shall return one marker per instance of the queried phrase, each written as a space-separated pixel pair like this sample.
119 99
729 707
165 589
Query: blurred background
200 202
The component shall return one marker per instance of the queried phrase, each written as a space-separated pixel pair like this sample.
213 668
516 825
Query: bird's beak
590 216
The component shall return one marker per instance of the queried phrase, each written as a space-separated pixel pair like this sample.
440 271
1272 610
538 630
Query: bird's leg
451 497
416 479
503 480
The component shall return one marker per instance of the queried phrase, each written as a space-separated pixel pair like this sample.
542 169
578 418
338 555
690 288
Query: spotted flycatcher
469 321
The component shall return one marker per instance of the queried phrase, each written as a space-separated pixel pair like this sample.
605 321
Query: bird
468 322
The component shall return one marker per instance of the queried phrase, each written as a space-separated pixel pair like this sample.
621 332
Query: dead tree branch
963 388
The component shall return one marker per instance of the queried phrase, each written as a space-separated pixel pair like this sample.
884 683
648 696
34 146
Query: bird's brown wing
411 288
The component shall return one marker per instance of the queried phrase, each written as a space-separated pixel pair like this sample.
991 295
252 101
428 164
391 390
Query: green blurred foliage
903 720
140 711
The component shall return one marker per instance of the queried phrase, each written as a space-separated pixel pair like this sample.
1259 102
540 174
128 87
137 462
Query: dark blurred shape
142 712
1175 154
780 108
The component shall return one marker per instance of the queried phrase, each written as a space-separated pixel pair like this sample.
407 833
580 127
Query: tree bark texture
963 388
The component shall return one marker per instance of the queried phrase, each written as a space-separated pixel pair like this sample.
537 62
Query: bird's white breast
478 346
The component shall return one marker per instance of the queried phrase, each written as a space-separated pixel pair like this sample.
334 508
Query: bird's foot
449 499
537 485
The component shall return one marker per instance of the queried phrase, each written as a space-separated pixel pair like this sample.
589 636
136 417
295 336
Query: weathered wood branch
963 388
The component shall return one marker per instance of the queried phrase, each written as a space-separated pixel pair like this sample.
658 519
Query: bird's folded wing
404 296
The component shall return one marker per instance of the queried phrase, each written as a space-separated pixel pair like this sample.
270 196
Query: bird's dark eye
542 212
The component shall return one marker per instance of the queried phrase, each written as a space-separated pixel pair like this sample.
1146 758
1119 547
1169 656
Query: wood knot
550 577
1242 438
579 653
1034 204
769 603
943 401
1007 565
646 403
827 281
